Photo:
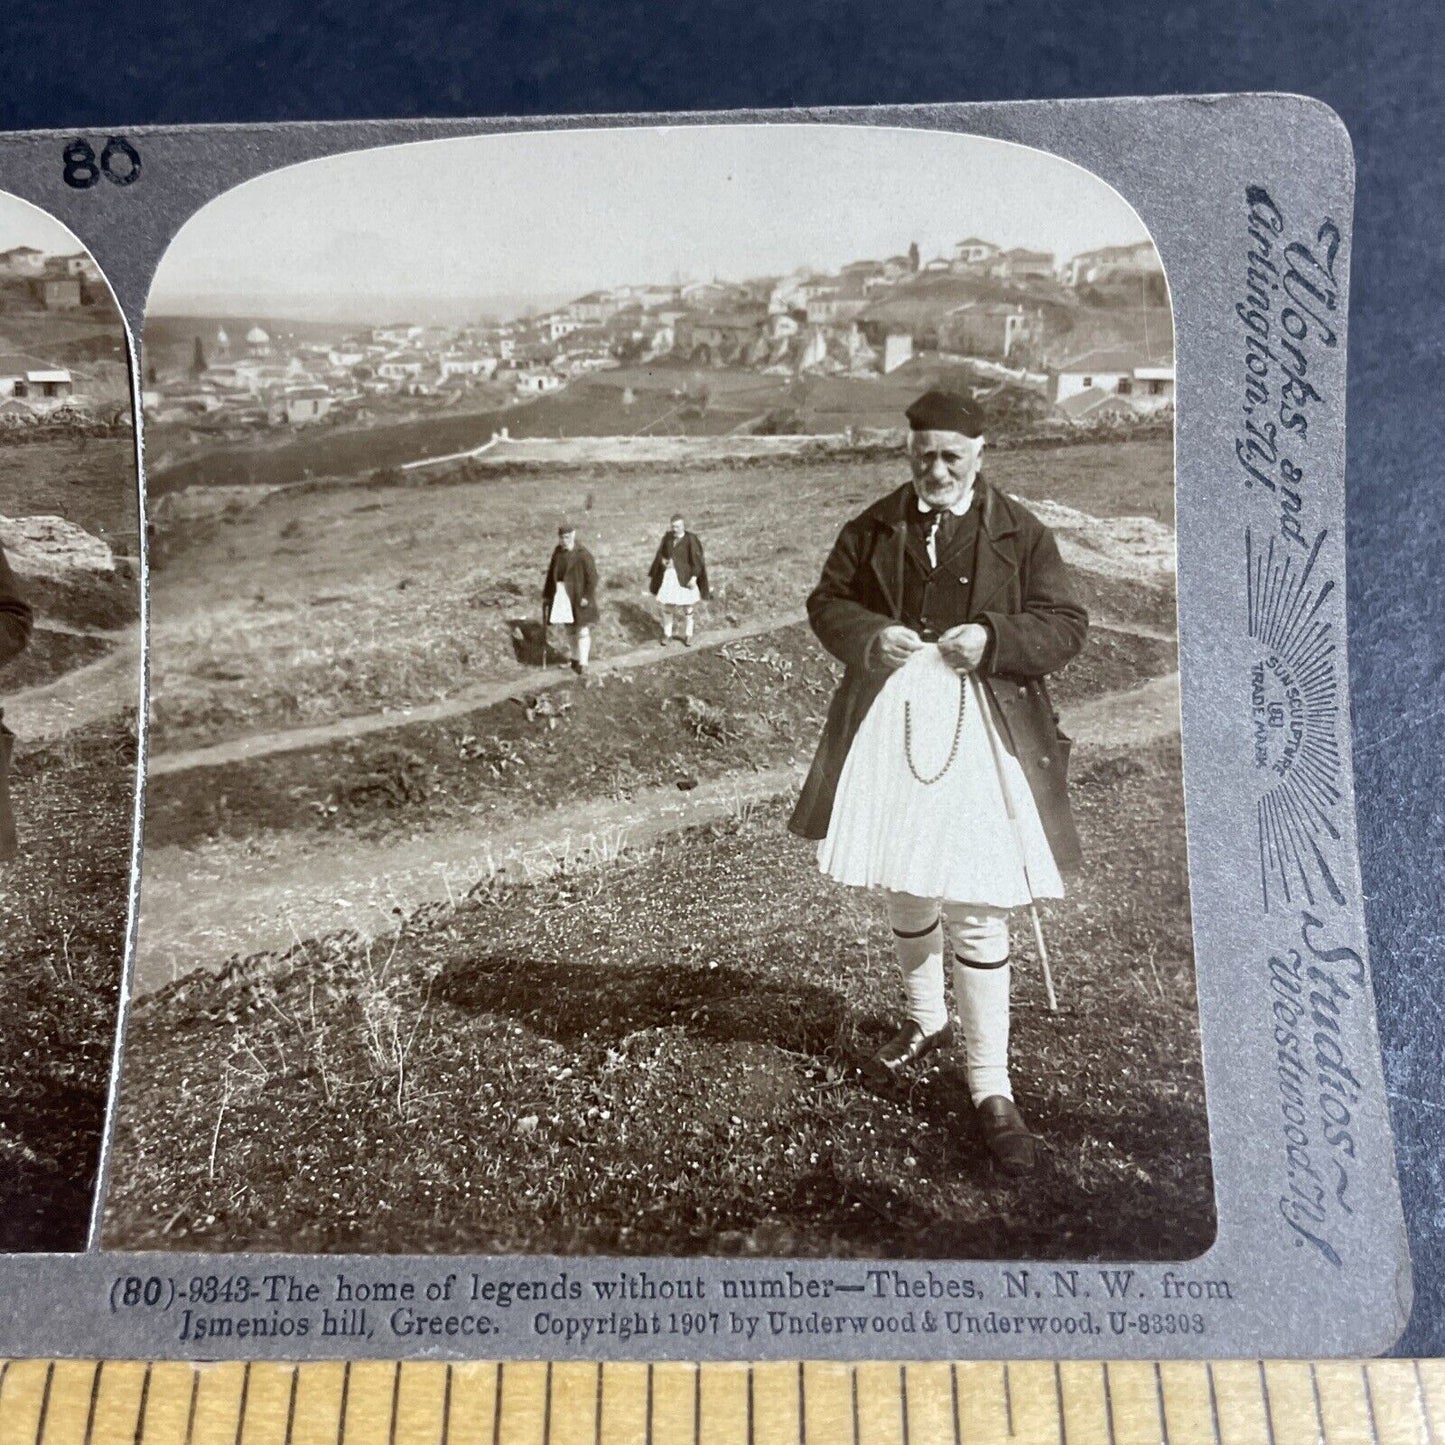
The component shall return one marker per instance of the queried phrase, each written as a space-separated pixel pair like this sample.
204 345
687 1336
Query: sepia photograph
69 687
664 733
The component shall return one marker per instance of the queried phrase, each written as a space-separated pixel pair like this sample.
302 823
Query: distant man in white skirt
940 779
678 578
569 596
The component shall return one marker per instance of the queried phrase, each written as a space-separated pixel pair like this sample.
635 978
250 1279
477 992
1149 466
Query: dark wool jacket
1020 591
685 554
577 572
15 621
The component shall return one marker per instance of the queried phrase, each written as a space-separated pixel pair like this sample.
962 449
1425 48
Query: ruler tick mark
1268 1403
1421 1394
1008 1398
94 1396
1370 1403
191 1412
1213 1401
291 1404
241 1408
44 1402
140 1411
345 1400
446 1432
1159 1403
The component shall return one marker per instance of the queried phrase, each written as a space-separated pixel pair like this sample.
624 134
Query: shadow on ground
570 1002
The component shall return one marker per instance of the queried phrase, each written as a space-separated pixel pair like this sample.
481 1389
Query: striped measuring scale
76 1402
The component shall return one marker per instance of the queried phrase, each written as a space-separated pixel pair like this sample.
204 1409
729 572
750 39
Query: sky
22 224
547 215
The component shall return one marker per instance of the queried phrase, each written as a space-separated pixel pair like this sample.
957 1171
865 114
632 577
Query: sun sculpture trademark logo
1294 713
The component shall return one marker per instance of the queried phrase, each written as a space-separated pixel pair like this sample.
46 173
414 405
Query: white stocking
983 1014
918 942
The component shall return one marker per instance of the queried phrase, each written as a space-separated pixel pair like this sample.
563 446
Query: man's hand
895 645
962 648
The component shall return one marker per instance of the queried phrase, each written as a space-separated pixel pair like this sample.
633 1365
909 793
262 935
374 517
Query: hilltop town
1070 341
62 351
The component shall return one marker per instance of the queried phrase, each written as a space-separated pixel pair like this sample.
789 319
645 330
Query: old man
569 596
940 778
15 620
678 578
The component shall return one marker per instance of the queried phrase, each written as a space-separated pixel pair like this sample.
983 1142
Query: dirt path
261 745
97 690
200 905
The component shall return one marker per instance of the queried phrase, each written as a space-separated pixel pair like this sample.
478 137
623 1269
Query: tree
913 256
198 359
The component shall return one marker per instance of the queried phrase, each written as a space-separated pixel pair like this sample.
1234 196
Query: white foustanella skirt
673 594
561 613
919 807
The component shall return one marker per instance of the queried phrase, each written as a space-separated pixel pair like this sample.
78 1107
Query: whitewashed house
41 385
1112 263
402 366
461 363
973 252
1085 382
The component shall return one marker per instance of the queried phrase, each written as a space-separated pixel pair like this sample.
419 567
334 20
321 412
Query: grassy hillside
62 936
742 708
657 1057
63 902
337 602
87 480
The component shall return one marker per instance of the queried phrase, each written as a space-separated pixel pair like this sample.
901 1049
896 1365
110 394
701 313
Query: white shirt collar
958 509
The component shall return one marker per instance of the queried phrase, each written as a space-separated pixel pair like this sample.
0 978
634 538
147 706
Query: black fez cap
945 411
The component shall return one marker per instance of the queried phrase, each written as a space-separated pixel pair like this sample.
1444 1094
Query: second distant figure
678 579
569 595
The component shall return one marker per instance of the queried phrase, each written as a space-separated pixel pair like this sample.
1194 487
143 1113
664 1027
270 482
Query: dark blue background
96 67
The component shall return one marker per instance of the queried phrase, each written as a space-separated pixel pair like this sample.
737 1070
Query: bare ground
203 905
321 605
656 1057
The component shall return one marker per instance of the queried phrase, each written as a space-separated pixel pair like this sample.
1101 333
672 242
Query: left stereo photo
70 598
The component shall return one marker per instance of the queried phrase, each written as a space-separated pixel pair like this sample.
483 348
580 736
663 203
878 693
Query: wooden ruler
80 1402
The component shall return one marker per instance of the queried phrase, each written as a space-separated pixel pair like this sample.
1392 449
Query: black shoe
663 641
576 667
687 642
1014 1149
906 1047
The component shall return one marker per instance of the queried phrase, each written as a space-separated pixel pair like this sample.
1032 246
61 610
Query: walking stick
1008 804
544 637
